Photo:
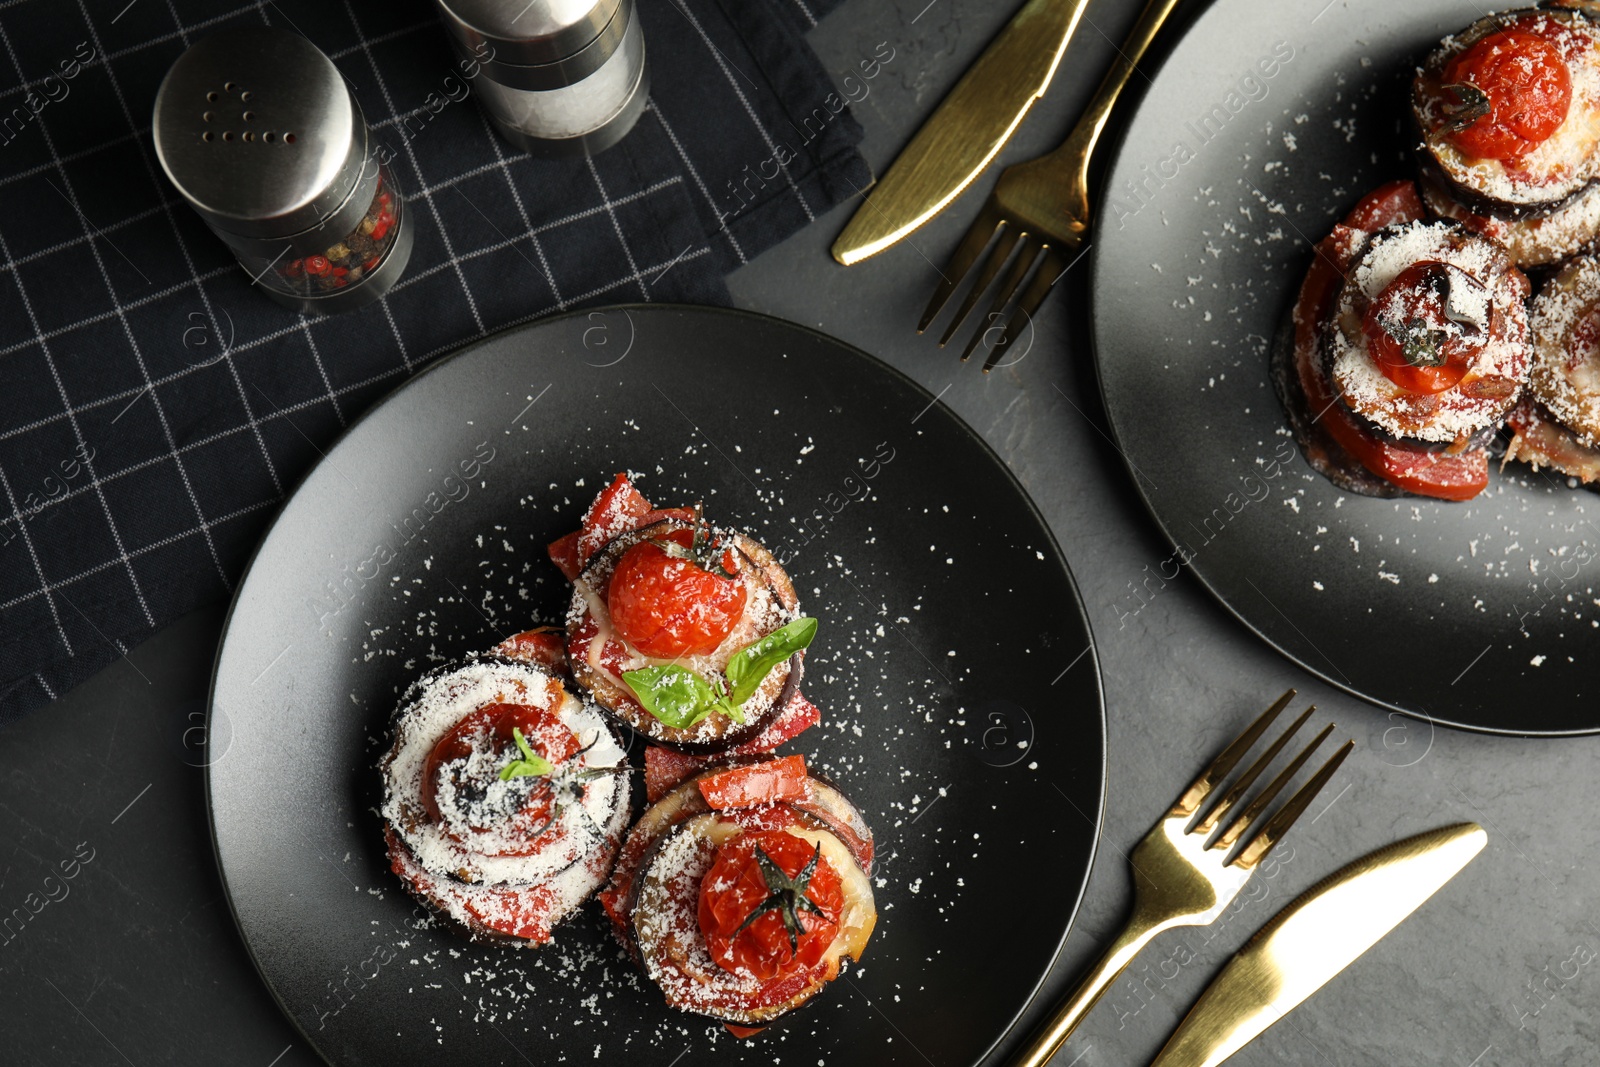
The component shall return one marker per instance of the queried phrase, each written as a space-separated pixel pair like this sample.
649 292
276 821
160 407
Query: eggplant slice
1558 424
1566 365
1536 241
1538 440
1554 172
770 603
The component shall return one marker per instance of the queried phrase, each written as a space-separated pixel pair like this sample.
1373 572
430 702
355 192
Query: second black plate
954 666
1263 127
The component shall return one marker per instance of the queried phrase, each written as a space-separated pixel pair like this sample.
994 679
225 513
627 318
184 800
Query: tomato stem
787 895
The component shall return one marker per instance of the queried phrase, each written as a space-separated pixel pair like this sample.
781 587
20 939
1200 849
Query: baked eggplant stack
505 797
1508 111
742 891
1410 348
1409 345
689 634
1508 118
745 884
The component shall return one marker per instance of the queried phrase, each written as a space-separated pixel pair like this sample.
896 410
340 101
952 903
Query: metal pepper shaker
556 77
258 131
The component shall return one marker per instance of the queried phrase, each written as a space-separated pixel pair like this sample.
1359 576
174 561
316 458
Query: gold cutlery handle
1075 151
967 130
1050 1036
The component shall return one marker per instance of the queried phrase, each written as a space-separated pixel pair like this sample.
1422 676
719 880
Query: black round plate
954 665
1263 127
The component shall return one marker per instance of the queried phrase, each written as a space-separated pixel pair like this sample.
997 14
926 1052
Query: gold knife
1317 935
967 130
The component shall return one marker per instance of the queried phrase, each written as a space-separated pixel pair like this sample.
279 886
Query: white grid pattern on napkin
19 515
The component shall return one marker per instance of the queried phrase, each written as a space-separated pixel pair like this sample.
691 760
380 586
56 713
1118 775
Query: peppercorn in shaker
258 131
556 77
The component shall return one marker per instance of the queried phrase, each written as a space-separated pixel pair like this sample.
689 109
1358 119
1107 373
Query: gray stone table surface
138 962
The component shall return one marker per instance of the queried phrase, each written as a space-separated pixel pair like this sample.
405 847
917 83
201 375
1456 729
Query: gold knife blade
1315 936
966 131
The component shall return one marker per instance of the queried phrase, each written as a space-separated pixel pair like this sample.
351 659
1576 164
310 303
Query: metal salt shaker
260 134
556 77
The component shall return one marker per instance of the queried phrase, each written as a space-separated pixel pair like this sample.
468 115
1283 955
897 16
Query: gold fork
1040 209
1180 879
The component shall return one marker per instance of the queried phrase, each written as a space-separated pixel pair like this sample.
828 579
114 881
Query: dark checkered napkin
155 409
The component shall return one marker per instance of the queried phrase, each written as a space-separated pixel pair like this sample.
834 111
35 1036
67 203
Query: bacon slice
756 784
619 508
543 646
664 768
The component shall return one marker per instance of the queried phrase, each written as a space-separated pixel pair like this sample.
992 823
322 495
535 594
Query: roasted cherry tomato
546 735
757 783
1414 342
667 605
736 886
1528 89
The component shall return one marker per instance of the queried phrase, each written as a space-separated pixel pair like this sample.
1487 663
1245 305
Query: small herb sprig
530 765
680 698
706 548
1424 343
1471 104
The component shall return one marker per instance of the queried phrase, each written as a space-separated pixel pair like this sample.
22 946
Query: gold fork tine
1251 813
1048 197
1027 255
1050 268
1246 780
997 258
1223 765
962 259
1279 824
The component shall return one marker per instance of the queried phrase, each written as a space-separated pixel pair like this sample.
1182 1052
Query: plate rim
1112 172
1092 652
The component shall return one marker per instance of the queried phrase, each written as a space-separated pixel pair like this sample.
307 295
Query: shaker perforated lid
527 32
258 131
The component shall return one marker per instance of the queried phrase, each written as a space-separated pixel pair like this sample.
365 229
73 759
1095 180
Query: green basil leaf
531 765
538 767
725 705
675 695
522 743
750 665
